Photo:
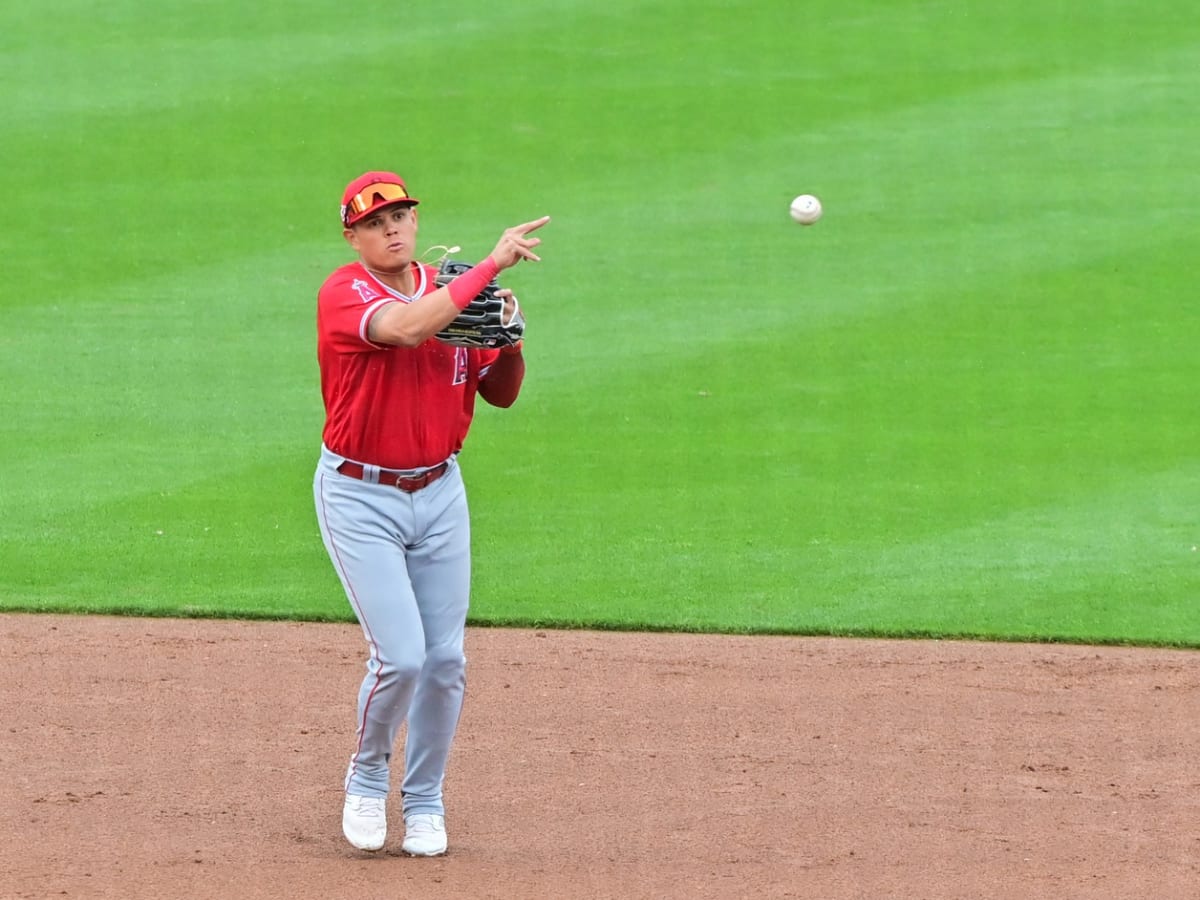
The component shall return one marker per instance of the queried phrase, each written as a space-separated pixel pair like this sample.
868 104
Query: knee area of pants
402 671
447 665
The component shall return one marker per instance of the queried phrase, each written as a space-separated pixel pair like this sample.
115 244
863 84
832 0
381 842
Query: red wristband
514 349
467 286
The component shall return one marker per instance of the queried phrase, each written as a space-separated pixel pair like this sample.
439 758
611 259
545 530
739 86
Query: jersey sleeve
486 358
345 305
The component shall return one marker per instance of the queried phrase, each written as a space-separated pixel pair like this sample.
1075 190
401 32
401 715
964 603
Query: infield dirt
154 758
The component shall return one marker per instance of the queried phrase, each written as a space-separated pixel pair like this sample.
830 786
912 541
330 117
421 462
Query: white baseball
806 209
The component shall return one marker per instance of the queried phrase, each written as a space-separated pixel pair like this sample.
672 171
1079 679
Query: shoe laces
424 823
369 807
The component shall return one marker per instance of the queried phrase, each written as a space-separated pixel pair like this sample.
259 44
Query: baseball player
389 495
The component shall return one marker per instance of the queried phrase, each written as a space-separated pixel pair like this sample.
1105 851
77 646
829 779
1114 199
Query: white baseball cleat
425 835
364 821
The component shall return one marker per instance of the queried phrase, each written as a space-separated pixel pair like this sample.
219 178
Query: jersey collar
422 278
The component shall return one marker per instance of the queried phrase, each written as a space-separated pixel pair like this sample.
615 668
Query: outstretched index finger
531 226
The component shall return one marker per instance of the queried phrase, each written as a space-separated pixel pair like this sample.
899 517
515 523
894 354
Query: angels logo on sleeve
365 290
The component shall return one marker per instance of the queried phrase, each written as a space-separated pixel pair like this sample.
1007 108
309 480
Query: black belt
407 483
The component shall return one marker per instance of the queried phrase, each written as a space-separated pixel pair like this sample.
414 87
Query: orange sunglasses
365 199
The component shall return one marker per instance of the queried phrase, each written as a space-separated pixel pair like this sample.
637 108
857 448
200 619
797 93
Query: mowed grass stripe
1107 564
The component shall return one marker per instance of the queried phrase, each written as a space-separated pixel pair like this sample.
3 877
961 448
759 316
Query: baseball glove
482 323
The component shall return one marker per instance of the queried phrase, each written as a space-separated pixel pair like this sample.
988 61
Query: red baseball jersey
395 407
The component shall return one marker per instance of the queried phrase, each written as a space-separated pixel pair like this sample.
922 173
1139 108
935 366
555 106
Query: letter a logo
460 366
365 290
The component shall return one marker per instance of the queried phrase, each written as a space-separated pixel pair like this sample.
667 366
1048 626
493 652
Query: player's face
386 239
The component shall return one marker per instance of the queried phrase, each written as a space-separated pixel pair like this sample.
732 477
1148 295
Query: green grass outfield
964 403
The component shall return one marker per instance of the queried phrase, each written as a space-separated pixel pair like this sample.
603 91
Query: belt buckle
412 483
409 485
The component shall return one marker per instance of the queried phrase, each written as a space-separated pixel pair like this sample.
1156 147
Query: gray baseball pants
404 561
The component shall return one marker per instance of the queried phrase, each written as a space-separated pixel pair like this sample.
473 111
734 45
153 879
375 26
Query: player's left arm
500 384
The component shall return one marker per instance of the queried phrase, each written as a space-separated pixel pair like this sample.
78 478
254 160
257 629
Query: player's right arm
411 324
